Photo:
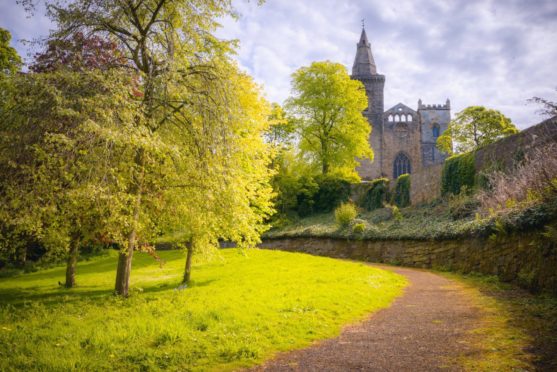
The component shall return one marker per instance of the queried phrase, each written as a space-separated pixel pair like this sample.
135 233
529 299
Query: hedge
458 171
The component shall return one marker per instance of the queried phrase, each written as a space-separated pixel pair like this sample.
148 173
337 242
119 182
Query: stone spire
364 64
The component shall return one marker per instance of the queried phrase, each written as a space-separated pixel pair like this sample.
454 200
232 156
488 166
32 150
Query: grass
239 311
518 330
439 220
422 223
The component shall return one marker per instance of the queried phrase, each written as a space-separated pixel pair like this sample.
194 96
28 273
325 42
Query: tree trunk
187 273
125 266
72 264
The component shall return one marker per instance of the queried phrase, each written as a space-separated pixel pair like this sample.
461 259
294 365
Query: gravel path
423 330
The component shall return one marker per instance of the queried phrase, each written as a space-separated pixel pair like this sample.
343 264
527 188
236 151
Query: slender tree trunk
187 272
124 269
72 264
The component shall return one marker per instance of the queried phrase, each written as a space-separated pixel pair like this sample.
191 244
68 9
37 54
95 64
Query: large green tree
326 108
65 150
10 62
473 127
187 100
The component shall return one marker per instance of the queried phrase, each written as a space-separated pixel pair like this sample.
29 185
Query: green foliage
458 171
345 214
359 228
10 61
462 205
473 127
326 110
203 327
401 195
305 197
330 194
377 195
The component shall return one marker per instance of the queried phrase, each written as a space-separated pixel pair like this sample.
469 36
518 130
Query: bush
345 214
402 191
330 194
377 195
458 171
462 205
305 197
359 228
532 181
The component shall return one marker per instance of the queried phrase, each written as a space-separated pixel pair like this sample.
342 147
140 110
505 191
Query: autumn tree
473 127
10 62
326 108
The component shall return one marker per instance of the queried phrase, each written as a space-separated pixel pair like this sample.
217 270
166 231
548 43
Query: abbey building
402 139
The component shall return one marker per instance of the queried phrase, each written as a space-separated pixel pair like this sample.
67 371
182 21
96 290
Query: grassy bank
239 311
517 332
438 221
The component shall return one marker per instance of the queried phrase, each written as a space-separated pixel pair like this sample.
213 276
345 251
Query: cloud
475 52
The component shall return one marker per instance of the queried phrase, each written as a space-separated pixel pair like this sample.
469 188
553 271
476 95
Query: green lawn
238 311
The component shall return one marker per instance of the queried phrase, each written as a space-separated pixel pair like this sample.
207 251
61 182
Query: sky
496 53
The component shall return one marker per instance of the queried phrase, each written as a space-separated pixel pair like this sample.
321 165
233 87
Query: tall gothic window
401 165
435 131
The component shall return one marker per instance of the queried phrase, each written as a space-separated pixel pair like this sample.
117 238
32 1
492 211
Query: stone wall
426 182
524 259
425 185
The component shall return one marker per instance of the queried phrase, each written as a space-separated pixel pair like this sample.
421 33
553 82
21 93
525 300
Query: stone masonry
402 139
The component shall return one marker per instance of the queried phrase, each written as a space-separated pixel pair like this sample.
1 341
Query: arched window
409 117
403 117
435 131
401 165
397 118
391 118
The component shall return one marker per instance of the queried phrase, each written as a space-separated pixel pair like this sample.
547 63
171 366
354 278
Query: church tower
364 70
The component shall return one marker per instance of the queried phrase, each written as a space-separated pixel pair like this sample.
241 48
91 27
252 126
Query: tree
10 62
326 109
185 102
79 53
549 108
473 127
67 140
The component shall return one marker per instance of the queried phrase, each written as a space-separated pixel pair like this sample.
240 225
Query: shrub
462 205
532 181
330 194
305 197
402 191
377 195
345 214
458 171
395 212
359 228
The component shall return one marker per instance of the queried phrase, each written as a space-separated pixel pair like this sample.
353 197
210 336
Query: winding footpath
424 330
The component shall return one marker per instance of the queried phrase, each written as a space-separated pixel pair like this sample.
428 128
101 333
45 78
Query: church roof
400 108
364 64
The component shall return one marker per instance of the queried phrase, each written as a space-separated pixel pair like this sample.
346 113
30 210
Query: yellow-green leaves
474 127
326 108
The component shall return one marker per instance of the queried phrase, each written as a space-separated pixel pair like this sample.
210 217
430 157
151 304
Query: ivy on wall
402 191
458 171
377 195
